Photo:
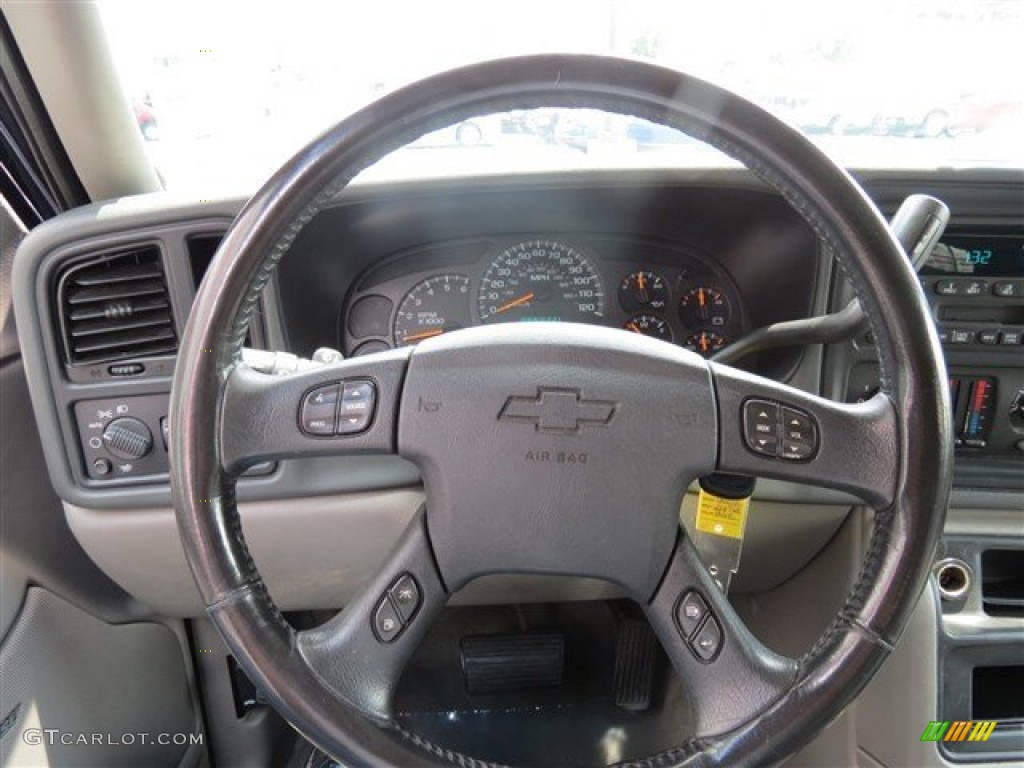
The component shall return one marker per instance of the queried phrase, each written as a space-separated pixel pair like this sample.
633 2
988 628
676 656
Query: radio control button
1010 338
988 337
957 336
975 288
317 413
358 399
1006 290
761 426
947 287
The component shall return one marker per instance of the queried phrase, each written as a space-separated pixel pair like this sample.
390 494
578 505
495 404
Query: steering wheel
534 443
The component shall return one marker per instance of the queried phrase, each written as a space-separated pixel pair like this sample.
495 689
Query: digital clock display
984 256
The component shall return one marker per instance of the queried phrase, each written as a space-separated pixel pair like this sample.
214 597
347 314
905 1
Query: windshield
223 93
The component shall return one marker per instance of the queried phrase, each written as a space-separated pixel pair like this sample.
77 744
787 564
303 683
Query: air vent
115 306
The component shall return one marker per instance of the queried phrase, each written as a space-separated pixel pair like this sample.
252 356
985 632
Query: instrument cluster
665 291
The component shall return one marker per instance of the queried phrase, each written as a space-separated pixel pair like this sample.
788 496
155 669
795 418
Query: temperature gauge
704 306
706 343
649 325
643 290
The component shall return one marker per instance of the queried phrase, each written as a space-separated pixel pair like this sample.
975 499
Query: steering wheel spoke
728 675
341 408
360 653
773 430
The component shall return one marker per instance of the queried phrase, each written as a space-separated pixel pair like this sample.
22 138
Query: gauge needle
704 343
634 327
515 303
700 297
641 281
424 335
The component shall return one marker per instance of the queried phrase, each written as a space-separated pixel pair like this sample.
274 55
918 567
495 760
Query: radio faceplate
975 286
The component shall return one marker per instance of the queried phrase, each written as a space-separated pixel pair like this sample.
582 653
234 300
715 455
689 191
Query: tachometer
433 306
541 280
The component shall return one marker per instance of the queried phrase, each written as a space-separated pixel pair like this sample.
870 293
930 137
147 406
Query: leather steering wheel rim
910 510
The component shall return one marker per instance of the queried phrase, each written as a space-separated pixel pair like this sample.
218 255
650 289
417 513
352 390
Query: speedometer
541 280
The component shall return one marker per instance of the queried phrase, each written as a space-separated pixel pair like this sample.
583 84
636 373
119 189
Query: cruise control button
406 596
708 641
690 613
318 410
358 399
386 622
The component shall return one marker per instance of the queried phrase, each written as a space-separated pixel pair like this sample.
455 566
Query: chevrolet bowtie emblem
561 411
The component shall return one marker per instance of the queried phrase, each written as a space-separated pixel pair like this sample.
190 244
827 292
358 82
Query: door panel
122 689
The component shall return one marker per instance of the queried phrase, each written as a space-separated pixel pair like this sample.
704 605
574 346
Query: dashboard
670 292
696 259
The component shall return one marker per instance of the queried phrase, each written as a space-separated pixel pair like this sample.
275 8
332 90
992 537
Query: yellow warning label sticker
723 517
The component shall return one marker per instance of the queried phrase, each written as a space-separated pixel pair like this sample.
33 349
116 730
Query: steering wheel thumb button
387 625
405 595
